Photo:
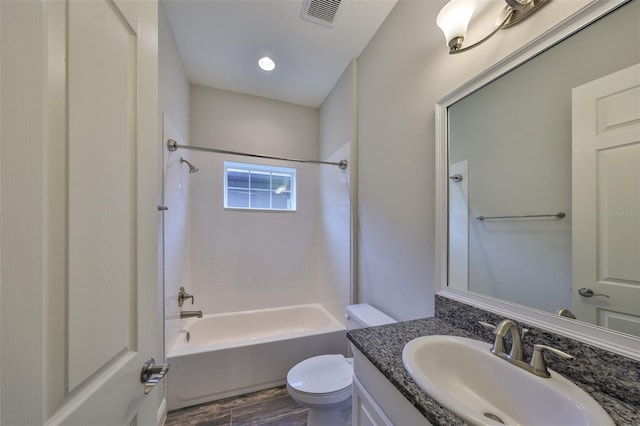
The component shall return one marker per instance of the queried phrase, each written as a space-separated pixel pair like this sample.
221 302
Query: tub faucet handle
183 295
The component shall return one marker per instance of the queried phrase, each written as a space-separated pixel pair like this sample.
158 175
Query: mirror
510 153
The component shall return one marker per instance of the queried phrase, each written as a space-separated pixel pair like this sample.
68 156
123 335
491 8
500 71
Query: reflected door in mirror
606 201
459 225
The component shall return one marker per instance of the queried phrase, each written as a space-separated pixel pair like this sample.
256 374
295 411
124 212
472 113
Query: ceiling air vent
321 12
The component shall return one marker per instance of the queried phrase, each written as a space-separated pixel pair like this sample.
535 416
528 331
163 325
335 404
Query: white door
606 201
109 214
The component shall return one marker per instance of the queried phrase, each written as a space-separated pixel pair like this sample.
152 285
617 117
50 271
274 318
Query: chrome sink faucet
501 331
537 365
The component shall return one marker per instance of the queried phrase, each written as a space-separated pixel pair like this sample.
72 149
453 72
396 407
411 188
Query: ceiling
220 42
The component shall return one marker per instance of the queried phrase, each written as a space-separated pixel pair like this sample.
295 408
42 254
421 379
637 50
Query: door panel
109 199
619 201
102 170
621 322
606 201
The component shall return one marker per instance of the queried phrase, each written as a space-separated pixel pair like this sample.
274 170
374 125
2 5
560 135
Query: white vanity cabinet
366 411
376 402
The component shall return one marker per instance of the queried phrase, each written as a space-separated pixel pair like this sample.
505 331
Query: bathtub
239 352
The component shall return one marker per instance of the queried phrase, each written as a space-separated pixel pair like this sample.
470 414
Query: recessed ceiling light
266 63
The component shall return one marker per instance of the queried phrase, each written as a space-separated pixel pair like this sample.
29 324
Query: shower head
192 168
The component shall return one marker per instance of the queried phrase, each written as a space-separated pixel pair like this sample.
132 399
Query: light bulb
454 18
266 63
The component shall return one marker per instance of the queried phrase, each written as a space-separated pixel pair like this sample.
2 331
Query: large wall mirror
541 178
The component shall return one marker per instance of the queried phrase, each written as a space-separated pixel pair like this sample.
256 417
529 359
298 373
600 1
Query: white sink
464 377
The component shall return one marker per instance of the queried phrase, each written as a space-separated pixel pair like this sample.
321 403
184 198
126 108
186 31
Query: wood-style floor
270 407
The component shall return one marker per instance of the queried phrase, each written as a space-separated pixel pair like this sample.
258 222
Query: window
253 186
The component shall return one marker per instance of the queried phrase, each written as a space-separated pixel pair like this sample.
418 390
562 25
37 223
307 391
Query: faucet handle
498 345
486 325
538 363
183 295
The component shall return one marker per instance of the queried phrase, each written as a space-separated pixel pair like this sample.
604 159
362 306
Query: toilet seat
323 379
323 374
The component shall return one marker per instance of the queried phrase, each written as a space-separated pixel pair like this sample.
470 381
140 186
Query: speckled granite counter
616 389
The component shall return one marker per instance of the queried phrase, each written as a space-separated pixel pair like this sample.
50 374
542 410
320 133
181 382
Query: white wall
246 259
336 135
403 71
173 84
173 94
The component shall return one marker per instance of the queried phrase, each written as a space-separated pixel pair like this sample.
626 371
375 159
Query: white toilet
323 383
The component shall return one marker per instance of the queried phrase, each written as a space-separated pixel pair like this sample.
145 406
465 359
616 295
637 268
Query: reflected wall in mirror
511 141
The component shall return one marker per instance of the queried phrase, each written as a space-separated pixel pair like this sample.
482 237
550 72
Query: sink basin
464 377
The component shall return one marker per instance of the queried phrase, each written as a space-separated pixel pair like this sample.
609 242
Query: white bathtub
239 352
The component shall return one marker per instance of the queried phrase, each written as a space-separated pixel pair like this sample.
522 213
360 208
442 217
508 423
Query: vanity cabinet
366 411
376 402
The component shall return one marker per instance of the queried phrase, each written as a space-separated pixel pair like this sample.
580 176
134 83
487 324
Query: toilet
323 383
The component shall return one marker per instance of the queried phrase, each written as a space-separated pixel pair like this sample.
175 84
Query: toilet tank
364 315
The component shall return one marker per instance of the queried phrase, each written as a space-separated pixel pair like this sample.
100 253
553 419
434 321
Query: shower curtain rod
173 146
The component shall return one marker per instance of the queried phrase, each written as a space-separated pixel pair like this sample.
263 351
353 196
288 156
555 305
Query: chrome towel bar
559 215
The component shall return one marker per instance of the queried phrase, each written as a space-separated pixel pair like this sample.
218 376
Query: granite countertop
383 347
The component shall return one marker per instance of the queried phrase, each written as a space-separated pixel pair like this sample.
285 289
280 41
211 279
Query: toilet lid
321 374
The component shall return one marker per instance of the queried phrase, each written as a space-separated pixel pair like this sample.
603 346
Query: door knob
152 373
587 292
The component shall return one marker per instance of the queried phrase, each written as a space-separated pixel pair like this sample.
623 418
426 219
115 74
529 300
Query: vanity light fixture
266 64
454 18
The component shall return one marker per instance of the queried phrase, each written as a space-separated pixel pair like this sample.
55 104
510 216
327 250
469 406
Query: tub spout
189 314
